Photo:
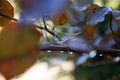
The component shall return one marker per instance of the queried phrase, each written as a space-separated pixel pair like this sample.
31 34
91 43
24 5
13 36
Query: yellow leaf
18 48
7 9
89 31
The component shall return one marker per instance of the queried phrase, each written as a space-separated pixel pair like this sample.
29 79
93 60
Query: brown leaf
18 48
59 18
89 31
7 9
14 66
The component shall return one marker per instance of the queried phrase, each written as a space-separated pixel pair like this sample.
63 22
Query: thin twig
110 25
45 26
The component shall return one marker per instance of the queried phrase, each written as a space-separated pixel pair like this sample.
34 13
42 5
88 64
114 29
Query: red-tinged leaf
59 17
89 31
116 16
7 9
98 15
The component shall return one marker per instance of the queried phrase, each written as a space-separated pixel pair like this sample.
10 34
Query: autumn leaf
90 7
7 9
59 17
18 48
89 31
14 66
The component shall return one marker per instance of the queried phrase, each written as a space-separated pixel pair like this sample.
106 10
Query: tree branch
110 25
113 52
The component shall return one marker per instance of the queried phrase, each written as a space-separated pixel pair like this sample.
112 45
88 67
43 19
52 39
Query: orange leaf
7 9
18 42
89 31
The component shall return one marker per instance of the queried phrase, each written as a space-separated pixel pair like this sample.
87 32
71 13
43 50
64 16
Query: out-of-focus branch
110 25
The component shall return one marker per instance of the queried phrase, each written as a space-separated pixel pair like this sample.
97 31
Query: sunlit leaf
89 31
7 9
18 48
